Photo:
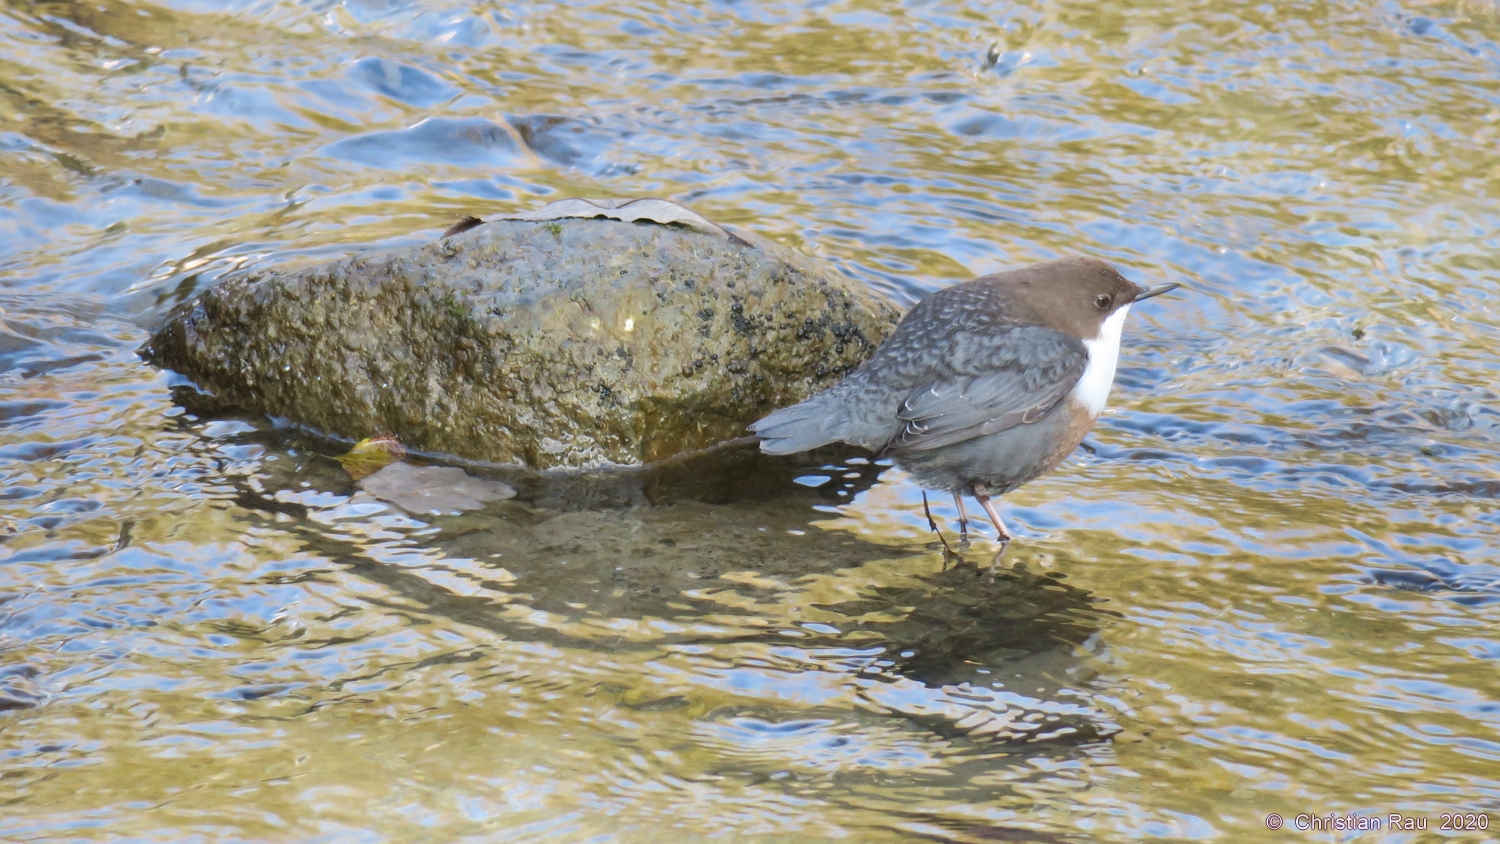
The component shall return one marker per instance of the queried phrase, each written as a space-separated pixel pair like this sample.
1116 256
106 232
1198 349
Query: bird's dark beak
1157 291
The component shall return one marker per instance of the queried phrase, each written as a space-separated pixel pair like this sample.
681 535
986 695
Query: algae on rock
570 342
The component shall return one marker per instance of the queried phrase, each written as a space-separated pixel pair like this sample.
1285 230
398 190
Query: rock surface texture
571 342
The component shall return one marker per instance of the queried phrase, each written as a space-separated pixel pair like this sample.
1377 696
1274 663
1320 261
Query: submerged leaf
372 454
433 489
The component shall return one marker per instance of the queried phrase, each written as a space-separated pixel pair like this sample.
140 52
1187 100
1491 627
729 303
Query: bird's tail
801 427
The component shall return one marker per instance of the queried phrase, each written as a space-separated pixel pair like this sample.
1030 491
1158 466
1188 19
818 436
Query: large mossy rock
571 342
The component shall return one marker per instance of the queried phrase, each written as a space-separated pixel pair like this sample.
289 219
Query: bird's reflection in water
726 558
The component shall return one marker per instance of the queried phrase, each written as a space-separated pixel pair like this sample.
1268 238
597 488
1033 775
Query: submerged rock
542 342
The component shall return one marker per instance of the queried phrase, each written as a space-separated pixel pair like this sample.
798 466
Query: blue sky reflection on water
1269 583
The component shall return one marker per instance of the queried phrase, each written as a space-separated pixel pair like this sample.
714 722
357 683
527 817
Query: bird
983 386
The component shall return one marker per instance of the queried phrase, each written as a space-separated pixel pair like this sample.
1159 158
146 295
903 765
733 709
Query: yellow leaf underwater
372 454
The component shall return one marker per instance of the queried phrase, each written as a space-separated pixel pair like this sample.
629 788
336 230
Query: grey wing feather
1021 381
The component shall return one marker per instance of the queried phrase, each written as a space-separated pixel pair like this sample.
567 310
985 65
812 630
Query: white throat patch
1092 390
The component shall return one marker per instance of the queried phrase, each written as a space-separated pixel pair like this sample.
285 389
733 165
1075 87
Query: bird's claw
951 556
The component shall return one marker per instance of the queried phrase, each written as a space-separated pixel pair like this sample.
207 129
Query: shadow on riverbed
728 559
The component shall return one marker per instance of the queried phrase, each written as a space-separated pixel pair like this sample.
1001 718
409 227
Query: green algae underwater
1267 584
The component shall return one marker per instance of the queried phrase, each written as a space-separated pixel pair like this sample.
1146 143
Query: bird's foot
951 557
982 495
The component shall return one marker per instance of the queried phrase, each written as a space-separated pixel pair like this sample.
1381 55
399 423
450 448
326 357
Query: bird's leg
989 507
983 497
932 525
963 521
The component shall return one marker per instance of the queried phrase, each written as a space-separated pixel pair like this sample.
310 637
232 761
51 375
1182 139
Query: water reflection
1280 547
959 651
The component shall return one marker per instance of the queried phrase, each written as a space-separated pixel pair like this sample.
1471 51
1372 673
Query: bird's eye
1102 301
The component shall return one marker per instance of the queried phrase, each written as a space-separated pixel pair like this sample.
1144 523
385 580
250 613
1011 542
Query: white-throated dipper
983 386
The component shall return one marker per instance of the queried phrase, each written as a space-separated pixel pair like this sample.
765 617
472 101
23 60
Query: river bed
1268 585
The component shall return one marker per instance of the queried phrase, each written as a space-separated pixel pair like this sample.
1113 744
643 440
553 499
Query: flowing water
1269 583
